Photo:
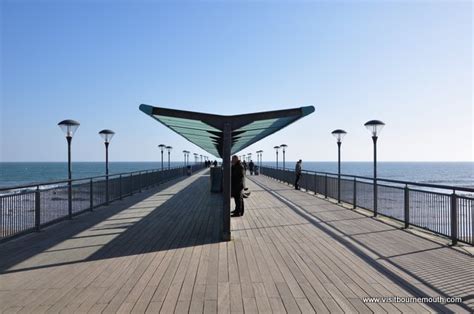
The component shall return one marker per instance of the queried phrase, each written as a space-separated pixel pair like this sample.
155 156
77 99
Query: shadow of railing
149 222
438 271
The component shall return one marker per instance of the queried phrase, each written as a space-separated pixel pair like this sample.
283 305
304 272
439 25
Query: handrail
35 184
428 185
447 212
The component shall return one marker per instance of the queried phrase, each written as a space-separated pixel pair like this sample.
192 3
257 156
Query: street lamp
184 157
169 148
284 146
276 151
107 136
162 148
339 135
196 158
259 158
374 127
69 127
201 158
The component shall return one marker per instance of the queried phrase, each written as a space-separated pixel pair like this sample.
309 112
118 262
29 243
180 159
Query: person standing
298 174
237 186
251 167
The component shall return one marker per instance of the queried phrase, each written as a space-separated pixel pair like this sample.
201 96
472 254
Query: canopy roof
206 130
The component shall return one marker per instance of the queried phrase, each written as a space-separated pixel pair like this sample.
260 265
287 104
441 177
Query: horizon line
273 161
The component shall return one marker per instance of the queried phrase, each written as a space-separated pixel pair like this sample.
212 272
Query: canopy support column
227 140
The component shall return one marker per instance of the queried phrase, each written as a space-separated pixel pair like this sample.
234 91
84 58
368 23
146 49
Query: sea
459 174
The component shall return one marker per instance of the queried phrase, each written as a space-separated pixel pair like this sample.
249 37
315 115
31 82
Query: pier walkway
160 251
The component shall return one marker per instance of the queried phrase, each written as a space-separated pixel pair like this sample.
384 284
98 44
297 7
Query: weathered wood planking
292 252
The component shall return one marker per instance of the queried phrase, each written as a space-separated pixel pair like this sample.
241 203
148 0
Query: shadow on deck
423 267
176 214
291 252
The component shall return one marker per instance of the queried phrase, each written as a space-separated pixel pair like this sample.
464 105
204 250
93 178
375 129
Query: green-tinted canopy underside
206 130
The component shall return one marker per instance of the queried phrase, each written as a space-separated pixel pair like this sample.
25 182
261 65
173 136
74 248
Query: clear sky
407 63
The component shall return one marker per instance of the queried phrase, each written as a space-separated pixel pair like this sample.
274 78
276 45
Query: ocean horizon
460 174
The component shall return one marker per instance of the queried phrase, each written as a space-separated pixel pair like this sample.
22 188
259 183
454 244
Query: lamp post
276 151
162 148
374 127
169 148
284 146
201 158
107 136
69 127
259 158
339 135
250 156
195 158
184 157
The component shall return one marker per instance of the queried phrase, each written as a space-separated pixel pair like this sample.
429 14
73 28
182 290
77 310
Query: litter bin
216 179
189 170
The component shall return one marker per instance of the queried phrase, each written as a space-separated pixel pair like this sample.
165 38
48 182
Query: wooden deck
159 251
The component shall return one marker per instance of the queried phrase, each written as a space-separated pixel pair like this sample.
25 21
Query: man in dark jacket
251 166
237 186
298 174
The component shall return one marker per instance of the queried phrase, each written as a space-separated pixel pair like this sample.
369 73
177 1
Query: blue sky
406 63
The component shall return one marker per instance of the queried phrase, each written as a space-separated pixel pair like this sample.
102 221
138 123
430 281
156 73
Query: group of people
253 169
209 163
238 182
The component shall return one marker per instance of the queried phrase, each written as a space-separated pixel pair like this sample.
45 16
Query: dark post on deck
374 127
69 175
407 206
37 208
69 127
454 218
226 180
374 138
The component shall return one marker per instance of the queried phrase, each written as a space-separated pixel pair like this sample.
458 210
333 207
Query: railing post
120 187
37 208
325 186
315 182
139 181
131 184
407 206
454 218
91 192
354 206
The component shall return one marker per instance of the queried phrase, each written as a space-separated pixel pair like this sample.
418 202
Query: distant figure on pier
298 174
244 164
215 163
251 167
237 186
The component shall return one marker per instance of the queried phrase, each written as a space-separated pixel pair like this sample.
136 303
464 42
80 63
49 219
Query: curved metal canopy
206 130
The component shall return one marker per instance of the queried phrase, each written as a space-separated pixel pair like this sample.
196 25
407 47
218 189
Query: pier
161 250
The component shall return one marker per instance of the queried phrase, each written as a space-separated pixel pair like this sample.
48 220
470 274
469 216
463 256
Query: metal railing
28 208
442 209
